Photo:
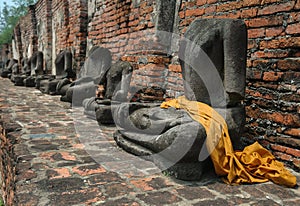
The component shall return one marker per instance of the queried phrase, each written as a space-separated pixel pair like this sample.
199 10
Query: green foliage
9 17
6 35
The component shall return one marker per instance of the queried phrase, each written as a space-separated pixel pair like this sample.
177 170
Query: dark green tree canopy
9 17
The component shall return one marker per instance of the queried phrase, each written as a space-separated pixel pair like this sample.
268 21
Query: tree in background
9 17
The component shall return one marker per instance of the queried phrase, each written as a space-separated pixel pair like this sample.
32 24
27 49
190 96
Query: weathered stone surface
58 185
3 63
75 94
7 71
191 193
165 137
15 71
93 70
160 198
48 86
164 24
37 61
26 66
117 81
104 178
104 113
37 69
149 95
41 78
213 66
84 196
171 134
25 72
62 86
63 66
213 60
97 63
115 86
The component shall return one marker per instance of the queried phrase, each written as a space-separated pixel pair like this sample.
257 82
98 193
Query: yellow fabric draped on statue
252 165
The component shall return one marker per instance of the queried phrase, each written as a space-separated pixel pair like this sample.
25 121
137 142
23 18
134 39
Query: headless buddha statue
213 61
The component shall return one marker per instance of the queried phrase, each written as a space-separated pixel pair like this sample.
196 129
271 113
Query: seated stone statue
94 68
1 66
63 65
15 71
43 76
114 85
36 68
7 71
213 60
25 72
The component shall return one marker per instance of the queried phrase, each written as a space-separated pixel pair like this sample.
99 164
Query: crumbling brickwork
8 137
78 25
129 28
60 26
28 33
44 34
69 29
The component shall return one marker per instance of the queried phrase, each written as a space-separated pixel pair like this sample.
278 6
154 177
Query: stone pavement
52 155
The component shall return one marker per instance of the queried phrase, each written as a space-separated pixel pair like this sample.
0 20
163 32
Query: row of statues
212 56
31 68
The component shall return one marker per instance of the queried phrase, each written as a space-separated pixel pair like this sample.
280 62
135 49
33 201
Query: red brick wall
273 68
60 26
28 33
43 24
127 28
69 27
118 26
51 26
8 137
78 20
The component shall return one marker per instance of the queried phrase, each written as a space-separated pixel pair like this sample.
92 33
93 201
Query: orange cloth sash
252 165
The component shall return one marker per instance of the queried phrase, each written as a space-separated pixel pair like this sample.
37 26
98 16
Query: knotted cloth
254 164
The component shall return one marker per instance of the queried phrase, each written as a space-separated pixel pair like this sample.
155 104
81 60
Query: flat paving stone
53 155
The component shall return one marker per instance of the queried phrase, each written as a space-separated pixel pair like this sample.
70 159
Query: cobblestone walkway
64 159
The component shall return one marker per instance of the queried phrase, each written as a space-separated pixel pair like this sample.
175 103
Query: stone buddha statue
25 72
213 61
7 71
64 70
36 69
15 71
95 67
113 86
